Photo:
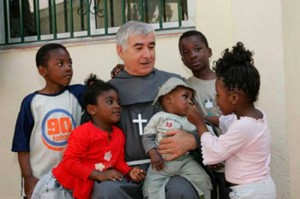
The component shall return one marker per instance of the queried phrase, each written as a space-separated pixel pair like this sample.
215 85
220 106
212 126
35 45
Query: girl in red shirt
95 150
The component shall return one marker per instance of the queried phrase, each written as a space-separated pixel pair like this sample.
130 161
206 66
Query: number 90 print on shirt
56 127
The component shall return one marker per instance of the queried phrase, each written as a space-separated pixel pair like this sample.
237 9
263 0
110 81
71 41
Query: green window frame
29 21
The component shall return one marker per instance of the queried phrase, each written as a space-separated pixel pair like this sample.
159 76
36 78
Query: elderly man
138 85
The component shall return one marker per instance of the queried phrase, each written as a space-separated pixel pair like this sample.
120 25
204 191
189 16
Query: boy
47 116
195 53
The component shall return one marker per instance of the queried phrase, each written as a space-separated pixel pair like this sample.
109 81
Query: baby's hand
137 174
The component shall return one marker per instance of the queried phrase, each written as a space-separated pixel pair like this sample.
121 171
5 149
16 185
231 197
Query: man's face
139 54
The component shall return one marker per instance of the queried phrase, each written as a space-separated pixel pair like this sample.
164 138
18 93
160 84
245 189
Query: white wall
291 31
257 23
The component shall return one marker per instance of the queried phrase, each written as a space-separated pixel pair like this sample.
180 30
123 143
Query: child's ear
42 70
169 98
166 99
209 52
234 98
91 109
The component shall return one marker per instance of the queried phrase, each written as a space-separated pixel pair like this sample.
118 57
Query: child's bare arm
29 180
157 161
213 120
196 117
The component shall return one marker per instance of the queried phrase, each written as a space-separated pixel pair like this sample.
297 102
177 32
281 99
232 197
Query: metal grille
25 21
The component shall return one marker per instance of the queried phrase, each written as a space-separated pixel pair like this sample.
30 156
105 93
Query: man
138 85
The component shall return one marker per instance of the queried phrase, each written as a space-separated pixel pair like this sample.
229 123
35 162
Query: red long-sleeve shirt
90 148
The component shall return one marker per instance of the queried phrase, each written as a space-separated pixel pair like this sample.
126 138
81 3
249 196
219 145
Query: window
26 21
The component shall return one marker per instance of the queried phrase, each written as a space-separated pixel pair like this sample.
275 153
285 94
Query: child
47 116
95 149
245 144
175 97
195 53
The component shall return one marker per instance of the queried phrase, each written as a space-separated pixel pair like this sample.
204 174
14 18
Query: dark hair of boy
194 33
235 77
42 56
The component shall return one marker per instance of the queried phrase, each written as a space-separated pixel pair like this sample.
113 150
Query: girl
95 150
245 142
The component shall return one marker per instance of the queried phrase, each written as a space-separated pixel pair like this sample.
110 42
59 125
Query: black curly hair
95 87
193 33
42 55
236 69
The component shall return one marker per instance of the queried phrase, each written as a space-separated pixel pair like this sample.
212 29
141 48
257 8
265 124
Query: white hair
132 28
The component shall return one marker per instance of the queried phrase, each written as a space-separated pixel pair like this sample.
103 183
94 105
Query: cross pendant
140 121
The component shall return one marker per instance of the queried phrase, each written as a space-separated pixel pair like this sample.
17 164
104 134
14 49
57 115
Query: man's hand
177 143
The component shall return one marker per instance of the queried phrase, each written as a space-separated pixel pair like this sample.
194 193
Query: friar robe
137 94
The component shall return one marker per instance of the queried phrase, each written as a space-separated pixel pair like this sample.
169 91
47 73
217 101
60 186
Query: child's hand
137 174
116 70
194 115
110 174
29 184
157 161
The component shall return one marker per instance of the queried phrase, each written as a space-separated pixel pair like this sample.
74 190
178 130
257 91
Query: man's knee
117 190
104 190
179 188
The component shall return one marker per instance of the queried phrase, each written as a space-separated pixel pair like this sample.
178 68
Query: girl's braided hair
236 69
